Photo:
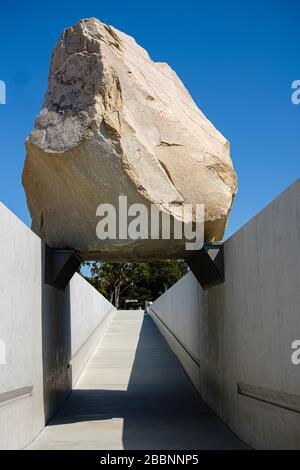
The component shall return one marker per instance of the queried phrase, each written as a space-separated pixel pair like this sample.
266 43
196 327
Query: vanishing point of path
133 394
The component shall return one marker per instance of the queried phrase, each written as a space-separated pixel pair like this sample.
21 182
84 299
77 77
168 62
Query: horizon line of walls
46 335
235 339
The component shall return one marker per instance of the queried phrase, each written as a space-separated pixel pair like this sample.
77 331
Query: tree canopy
141 281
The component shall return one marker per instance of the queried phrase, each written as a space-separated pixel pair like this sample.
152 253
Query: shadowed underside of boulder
116 123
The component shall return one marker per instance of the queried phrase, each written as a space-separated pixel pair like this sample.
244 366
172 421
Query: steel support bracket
60 266
207 265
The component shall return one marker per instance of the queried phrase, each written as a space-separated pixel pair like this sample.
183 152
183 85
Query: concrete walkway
133 394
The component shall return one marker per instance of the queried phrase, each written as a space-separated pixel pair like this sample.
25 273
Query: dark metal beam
207 265
60 266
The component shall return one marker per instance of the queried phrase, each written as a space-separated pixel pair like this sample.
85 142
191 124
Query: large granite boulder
116 123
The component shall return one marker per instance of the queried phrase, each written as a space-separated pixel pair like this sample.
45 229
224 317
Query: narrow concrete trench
134 394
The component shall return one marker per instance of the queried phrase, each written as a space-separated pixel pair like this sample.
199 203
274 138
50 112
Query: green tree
141 281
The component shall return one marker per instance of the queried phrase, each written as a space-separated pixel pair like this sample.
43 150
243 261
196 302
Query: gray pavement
133 394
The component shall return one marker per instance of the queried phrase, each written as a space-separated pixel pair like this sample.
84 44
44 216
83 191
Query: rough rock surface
116 123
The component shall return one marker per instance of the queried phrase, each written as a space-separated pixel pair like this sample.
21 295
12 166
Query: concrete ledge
81 357
242 330
18 422
272 397
186 358
7 398
42 330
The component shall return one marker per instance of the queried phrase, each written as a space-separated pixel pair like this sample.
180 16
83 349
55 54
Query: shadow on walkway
134 394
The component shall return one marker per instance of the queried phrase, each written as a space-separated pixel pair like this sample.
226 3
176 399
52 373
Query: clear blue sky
237 59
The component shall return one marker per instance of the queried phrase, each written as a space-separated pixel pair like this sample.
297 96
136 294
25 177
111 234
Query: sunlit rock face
116 123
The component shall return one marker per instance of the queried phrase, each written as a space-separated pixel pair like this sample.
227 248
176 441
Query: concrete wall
176 314
47 334
246 327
